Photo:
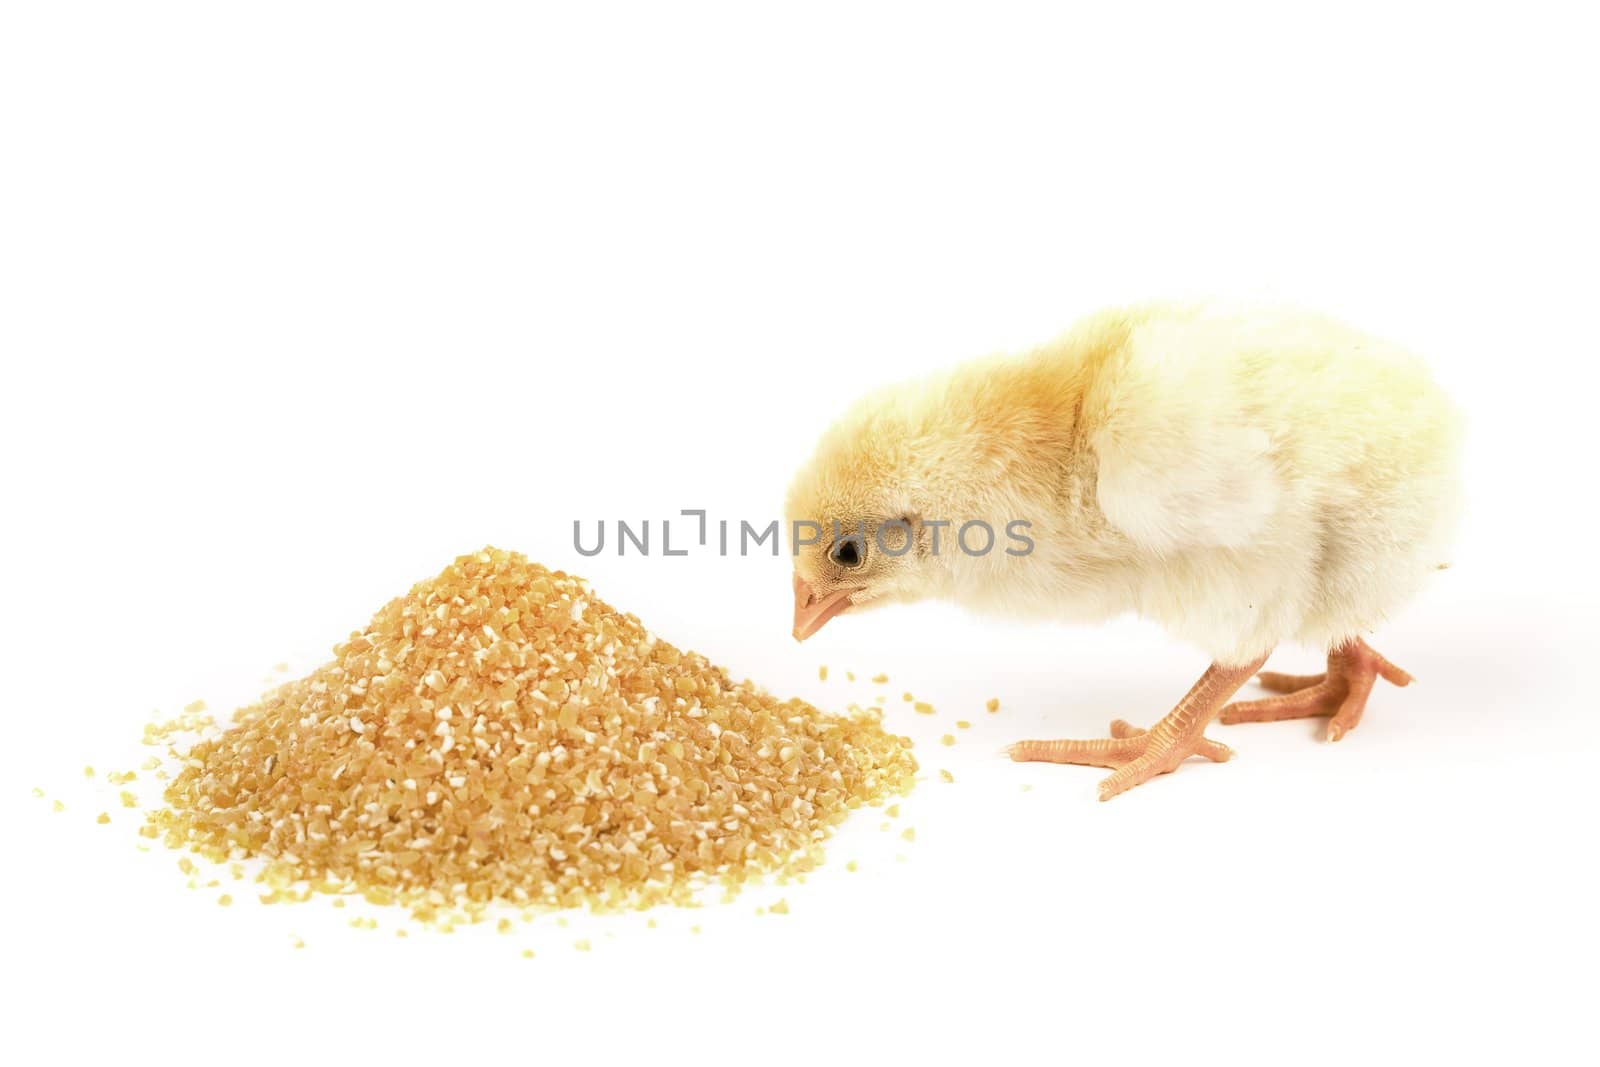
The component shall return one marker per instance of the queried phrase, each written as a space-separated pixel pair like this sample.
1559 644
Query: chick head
855 513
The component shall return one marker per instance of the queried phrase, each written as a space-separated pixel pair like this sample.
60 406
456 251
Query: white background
299 301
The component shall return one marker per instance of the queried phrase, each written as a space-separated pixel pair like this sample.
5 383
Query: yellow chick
1243 477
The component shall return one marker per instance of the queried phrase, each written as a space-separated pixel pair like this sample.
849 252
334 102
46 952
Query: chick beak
810 612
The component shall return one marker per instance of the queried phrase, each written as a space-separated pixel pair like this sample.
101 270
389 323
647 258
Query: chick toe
1215 751
1319 698
1274 682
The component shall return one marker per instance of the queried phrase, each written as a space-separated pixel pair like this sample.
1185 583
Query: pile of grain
499 734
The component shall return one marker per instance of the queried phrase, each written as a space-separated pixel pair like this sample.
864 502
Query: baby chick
1242 476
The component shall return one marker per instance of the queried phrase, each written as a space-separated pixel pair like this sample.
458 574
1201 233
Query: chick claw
1140 755
1130 751
1340 694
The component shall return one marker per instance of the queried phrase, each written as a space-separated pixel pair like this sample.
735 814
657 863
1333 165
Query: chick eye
846 553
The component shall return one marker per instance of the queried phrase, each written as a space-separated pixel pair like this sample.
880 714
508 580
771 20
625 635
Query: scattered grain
922 707
781 907
948 739
993 705
103 817
946 776
963 724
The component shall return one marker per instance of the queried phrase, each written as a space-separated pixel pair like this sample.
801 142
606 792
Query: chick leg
1139 755
1340 694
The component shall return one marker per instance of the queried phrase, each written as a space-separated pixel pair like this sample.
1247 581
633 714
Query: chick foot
1340 693
1138 755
